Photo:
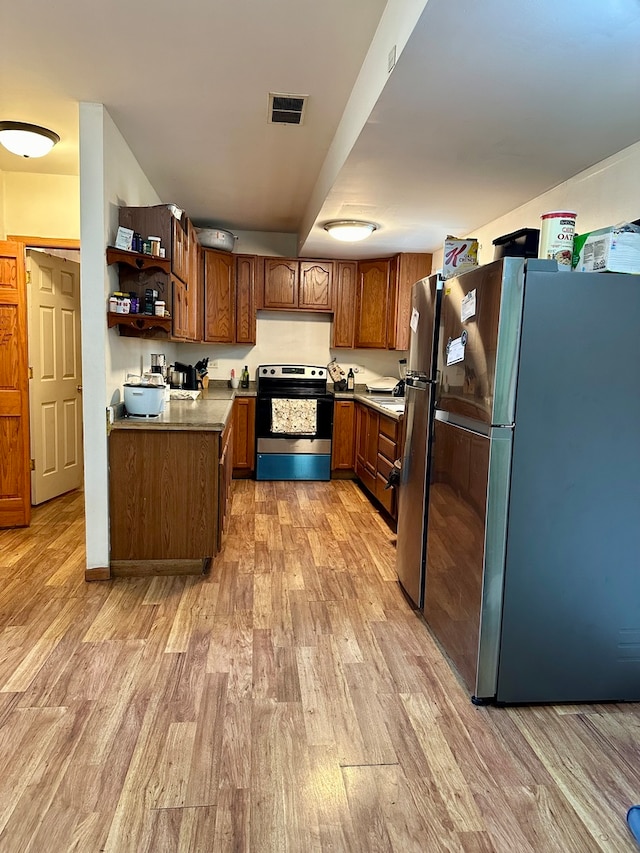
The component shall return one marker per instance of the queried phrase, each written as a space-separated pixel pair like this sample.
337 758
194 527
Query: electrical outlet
358 368
212 364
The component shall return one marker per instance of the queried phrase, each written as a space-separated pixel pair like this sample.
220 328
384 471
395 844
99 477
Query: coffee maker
190 380
159 364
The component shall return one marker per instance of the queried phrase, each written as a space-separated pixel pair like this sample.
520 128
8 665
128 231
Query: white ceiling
490 104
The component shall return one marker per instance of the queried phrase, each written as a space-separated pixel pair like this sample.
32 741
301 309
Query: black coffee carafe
191 376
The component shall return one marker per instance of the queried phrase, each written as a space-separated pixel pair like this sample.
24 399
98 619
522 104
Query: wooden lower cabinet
168 492
378 445
244 437
225 475
343 443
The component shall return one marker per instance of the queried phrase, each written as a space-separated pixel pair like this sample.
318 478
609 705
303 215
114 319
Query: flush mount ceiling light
349 230
27 140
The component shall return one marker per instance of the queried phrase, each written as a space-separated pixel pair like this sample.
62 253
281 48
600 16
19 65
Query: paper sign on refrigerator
468 309
455 350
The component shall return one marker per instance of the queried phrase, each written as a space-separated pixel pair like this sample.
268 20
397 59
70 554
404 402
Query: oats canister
557 230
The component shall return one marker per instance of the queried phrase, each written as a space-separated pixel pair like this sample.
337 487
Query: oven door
295 455
265 420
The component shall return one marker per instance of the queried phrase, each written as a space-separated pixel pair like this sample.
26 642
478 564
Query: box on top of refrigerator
459 256
614 249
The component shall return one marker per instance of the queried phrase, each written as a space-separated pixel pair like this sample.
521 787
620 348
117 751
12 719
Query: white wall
110 177
605 194
293 338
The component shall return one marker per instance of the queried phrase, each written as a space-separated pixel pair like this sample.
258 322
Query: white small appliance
144 400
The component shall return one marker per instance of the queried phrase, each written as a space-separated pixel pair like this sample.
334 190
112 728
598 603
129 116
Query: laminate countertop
361 395
209 413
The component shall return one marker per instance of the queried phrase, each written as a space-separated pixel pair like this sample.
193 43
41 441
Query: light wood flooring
289 701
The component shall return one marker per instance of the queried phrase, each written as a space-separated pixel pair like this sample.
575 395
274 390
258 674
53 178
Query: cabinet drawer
386 497
389 427
387 448
384 467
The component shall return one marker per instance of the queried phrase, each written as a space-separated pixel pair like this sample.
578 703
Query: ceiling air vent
286 109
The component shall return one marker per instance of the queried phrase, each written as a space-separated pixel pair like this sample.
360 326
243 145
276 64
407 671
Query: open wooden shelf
139 325
137 260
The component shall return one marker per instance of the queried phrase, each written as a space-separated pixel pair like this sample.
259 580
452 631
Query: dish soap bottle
244 378
351 380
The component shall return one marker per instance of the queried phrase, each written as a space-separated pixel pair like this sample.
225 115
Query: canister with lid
557 231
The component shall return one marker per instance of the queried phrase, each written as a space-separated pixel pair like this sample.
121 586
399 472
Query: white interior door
55 391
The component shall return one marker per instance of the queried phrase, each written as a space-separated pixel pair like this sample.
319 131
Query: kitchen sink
393 404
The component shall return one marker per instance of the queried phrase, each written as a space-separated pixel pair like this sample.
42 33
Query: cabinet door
179 247
342 448
225 473
315 285
344 303
219 286
179 303
366 446
409 267
244 437
280 283
245 299
194 290
372 304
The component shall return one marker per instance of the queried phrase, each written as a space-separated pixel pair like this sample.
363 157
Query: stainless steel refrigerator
533 542
418 414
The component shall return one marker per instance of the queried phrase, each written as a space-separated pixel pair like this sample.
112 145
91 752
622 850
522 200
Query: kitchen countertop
361 395
209 413
212 410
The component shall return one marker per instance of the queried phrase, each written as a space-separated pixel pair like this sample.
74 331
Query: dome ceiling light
349 230
27 140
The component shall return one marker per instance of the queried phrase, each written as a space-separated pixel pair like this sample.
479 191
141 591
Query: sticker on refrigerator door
455 350
415 316
468 306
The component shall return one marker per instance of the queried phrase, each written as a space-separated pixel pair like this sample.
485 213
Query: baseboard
149 568
100 573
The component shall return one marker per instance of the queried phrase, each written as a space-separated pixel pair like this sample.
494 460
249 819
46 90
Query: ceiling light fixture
349 230
27 140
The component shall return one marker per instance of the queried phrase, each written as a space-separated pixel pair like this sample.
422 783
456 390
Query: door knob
79 389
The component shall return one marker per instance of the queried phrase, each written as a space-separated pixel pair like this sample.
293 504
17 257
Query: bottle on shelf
244 378
351 380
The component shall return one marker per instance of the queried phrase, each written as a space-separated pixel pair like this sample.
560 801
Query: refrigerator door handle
417 380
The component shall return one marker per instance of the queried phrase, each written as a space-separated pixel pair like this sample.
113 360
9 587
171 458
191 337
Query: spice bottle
244 379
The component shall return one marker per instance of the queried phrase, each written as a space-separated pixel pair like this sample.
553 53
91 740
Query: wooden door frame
32 242
44 242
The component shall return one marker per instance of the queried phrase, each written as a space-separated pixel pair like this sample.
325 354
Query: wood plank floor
289 701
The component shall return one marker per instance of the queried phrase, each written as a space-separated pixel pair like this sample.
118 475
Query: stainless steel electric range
294 422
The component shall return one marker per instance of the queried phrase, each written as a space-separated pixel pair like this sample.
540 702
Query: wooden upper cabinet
245 299
180 323
315 281
194 288
219 297
372 304
383 301
304 285
344 303
407 268
229 288
280 283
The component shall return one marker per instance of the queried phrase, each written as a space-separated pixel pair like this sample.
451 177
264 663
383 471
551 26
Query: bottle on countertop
244 377
351 380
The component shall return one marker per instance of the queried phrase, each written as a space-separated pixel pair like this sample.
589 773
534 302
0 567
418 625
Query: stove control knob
321 373
264 369
313 373
272 370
